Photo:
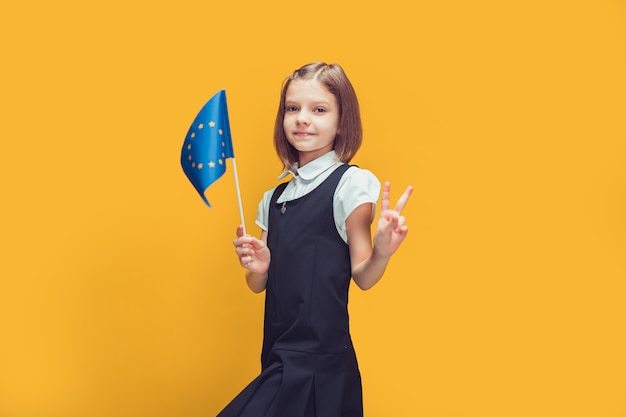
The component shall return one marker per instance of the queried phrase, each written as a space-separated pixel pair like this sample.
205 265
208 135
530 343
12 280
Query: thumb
393 221
389 220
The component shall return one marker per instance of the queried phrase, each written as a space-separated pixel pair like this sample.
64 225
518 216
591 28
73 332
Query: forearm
367 273
256 281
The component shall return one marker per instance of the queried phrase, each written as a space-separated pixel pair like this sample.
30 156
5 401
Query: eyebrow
315 103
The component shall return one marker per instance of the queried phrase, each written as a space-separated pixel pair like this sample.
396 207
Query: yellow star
189 157
200 126
220 131
193 164
211 123
200 166
211 164
189 146
220 161
193 135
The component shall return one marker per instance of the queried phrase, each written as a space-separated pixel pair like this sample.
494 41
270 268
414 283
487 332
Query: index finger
385 197
403 199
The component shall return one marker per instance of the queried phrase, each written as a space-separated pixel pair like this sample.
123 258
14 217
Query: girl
315 237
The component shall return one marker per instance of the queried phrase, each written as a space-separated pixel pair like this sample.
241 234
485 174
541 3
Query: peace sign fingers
404 198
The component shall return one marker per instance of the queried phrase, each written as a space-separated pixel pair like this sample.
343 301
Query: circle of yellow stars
211 164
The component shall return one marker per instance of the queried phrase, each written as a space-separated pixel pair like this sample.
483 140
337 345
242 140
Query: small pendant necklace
283 209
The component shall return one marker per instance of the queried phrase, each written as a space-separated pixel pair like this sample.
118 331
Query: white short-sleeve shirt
357 186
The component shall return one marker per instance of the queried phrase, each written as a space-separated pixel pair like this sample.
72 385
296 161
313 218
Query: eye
319 110
291 109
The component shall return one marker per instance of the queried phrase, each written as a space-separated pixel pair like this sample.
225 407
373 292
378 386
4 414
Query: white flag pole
243 224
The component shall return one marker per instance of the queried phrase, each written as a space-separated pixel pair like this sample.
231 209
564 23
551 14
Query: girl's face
311 118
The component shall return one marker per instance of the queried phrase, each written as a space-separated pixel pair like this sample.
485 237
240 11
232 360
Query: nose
302 118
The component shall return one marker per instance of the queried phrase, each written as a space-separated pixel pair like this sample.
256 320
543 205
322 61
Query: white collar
312 169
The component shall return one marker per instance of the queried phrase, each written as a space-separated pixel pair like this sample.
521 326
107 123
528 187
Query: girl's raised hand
391 229
253 253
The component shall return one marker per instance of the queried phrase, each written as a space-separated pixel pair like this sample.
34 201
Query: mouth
302 134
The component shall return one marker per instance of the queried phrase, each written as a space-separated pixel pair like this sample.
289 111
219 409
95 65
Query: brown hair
349 130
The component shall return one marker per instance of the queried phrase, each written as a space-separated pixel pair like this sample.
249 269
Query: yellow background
120 294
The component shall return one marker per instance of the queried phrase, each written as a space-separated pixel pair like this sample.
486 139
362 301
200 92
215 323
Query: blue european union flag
207 145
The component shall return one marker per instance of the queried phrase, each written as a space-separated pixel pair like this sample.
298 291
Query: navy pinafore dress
308 364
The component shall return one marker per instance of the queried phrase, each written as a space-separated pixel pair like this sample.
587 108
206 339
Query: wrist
380 255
